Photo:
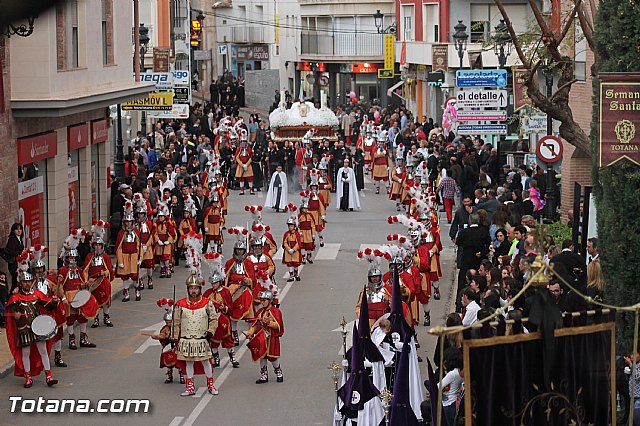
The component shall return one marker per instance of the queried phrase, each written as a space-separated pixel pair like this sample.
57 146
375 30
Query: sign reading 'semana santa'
619 118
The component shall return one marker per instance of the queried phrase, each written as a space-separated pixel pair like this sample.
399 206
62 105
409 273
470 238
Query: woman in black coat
12 250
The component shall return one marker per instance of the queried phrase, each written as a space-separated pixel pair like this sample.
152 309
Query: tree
544 48
617 46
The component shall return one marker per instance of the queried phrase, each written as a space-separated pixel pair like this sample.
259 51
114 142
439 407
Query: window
71 34
408 33
485 17
107 32
579 54
430 19
67 35
478 29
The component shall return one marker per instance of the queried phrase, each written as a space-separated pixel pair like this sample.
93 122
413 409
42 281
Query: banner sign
520 96
77 136
439 57
31 210
99 131
619 119
160 59
389 51
154 102
37 148
481 78
74 197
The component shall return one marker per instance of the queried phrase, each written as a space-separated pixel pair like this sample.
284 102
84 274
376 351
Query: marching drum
85 303
101 290
44 327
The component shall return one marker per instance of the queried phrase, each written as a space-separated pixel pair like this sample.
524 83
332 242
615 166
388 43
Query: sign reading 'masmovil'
154 102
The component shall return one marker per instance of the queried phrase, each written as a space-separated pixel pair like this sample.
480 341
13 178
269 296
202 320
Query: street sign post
481 78
482 115
482 129
534 123
479 98
549 149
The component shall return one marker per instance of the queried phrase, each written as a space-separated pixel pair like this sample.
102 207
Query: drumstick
147 334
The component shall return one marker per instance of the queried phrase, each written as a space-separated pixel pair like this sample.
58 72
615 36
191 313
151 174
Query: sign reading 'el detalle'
619 118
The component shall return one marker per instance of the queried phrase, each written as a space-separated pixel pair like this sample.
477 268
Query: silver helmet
71 253
216 277
374 284
267 294
25 276
38 264
168 316
292 221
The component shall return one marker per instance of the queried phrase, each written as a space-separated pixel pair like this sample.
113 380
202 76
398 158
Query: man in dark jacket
461 218
473 242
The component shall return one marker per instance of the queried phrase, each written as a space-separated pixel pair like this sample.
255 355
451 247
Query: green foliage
559 231
617 39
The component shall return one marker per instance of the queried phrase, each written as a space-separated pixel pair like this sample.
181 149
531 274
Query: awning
390 90
60 107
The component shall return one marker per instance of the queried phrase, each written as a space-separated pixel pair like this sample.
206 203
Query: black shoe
310 261
436 295
280 379
138 297
107 321
290 279
321 244
419 359
96 322
297 277
261 381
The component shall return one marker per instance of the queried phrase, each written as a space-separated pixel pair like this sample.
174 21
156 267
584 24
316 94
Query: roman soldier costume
269 246
164 236
380 159
292 245
369 145
317 205
307 227
243 158
213 222
239 280
398 174
128 251
30 351
378 294
220 296
147 240
47 284
98 273
168 356
259 261
81 307
264 337
432 243
324 181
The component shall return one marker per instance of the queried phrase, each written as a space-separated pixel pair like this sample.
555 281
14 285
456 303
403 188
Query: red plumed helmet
254 228
74 232
360 255
244 231
368 251
388 237
37 247
259 208
94 222
267 228
246 208
107 224
390 220
377 252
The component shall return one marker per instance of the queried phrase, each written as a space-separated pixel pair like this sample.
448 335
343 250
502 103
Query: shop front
249 57
34 152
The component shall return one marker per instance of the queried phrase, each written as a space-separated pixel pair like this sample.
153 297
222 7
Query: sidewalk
6 359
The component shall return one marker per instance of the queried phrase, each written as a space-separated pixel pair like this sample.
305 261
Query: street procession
341 214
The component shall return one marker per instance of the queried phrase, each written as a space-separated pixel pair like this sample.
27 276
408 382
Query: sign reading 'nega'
619 118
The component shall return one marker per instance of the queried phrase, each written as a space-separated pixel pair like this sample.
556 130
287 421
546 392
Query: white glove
323 216
291 251
627 370
345 363
244 166
367 364
139 262
121 265
206 229
144 249
399 346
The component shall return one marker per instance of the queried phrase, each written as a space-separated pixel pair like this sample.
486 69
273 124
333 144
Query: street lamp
502 40
550 194
377 17
460 39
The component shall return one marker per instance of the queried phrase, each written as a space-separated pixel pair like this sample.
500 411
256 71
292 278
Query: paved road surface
125 364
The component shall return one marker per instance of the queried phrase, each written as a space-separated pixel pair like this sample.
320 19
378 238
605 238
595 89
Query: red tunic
102 292
273 341
436 271
292 241
242 306
222 301
12 334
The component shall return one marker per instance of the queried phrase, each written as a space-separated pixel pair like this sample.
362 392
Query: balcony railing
341 44
248 34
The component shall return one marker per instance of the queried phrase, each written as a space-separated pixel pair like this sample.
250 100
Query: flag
401 412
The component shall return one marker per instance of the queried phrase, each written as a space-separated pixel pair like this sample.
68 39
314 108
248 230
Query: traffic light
144 35
196 30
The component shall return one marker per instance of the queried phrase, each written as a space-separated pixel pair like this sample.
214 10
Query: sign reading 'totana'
481 78
478 98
